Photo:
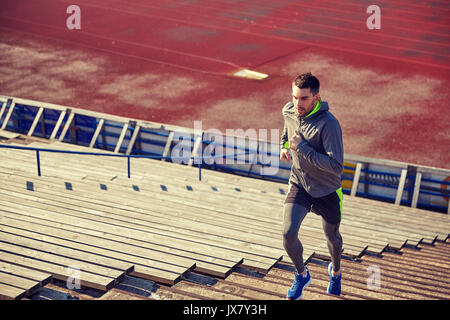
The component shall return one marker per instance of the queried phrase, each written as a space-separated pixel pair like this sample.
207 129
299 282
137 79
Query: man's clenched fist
295 140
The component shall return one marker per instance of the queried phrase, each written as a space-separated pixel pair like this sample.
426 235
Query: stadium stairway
177 237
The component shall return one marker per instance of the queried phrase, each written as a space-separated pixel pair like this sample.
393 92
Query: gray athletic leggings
293 216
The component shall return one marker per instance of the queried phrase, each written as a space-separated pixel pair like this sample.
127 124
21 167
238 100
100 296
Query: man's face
304 101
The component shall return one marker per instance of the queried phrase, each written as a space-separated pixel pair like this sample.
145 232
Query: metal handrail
38 161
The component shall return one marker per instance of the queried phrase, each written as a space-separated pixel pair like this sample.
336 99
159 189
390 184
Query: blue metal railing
38 150
38 161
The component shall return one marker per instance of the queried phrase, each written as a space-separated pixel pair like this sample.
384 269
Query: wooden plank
121 137
8 115
416 191
414 231
94 246
393 233
125 207
59 260
413 218
200 248
8 292
140 253
401 186
157 185
2 108
203 200
375 161
133 140
96 133
142 263
35 122
171 232
185 171
150 254
156 252
41 277
30 286
66 126
143 234
385 244
58 125
168 144
9 135
355 182
163 207
59 272
389 217
72 253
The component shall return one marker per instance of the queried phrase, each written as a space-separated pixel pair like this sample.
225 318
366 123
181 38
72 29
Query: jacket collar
316 108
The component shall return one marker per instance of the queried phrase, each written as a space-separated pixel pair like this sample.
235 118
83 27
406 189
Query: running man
312 138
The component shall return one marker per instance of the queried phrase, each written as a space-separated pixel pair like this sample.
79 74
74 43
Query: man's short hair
307 80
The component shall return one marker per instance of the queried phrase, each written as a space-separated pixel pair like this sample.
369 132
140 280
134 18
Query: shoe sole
306 284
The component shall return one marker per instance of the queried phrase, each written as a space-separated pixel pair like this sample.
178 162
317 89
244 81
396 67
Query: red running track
172 62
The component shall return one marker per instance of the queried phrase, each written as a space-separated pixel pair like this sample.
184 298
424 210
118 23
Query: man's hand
285 155
295 140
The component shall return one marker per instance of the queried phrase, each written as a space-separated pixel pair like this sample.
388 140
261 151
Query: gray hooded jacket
318 160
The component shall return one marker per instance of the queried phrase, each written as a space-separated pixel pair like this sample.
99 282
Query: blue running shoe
334 287
300 283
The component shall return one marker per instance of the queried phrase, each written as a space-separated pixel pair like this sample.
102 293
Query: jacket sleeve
284 136
333 160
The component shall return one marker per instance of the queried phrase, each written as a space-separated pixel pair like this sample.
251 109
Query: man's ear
317 97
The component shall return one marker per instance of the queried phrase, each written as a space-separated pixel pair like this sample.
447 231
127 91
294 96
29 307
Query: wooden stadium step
30 286
400 244
199 200
401 279
26 273
415 240
164 272
44 247
58 268
224 289
145 261
380 248
9 292
72 249
182 190
367 226
278 286
119 166
383 245
100 217
394 234
13 277
431 224
159 201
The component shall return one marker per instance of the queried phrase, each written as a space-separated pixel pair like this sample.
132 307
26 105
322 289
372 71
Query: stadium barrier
386 180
